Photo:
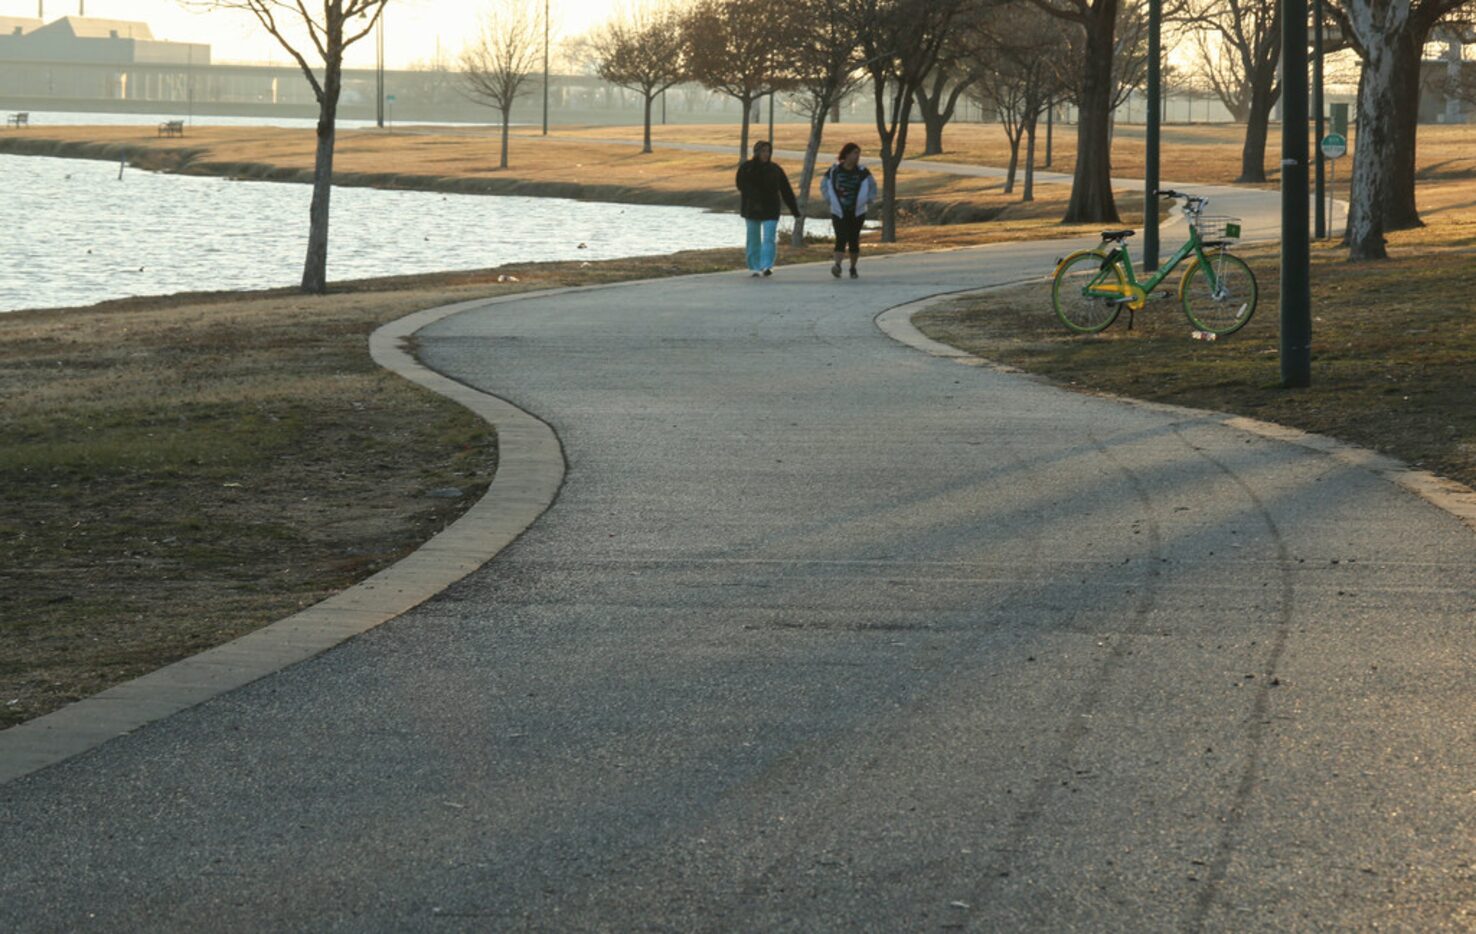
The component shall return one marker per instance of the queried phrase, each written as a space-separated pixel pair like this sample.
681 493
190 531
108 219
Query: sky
413 26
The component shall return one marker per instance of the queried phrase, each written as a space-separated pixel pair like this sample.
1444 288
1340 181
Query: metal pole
771 118
1317 107
1050 129
1153 138
545 66
1332 185
379 72
1296 273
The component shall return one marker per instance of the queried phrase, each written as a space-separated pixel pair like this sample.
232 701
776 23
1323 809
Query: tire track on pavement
1076 731
1208 895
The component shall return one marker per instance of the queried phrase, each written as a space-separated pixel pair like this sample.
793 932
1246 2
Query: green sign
1340 119
390 98
1335 145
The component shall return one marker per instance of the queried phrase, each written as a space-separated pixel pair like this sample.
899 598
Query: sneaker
835 270
754 275
768 272
854 273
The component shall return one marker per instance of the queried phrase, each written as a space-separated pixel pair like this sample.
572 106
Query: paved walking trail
826 633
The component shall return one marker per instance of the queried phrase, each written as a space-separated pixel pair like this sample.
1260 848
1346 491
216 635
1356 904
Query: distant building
81 58
18 25
77 40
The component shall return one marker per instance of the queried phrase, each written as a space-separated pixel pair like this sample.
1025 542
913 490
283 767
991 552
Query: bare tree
1129 52
959 68
1022 51
502 57
1456 82
329 33
900 41
1026 49
1243 71
738 48
1390 37
1223 73
1091 185
642 49
826 68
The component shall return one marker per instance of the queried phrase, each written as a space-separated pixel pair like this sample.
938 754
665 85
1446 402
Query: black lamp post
1153 140
1296 285
379 72
545 67
1319 109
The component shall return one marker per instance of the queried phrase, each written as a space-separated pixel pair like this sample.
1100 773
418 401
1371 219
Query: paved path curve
826 633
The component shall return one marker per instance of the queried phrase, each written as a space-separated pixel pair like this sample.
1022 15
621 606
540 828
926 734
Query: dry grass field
1205 153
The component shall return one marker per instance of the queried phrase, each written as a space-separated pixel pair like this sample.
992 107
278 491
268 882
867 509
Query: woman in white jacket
850 188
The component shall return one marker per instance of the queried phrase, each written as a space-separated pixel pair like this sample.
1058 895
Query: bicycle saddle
1116 234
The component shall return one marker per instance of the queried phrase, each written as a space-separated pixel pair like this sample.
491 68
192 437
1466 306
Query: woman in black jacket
762 185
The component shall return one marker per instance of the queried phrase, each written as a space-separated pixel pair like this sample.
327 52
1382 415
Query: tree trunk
1029 193
647 145
747 103
1014 138
1091 185
933 123
1257 128
1372 164
893 148
889 199
1400 211
506 124
315 268
807 174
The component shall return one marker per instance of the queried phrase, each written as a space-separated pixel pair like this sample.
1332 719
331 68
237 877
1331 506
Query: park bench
171 128
18 120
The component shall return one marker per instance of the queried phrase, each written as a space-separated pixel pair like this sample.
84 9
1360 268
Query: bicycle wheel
1087 295
1227 306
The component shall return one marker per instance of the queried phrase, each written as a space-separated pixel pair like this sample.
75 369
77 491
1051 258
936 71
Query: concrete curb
1455 498
530 471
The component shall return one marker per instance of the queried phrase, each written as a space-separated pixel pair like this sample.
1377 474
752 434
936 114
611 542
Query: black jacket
762 185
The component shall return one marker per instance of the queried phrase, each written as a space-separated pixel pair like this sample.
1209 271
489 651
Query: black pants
848 233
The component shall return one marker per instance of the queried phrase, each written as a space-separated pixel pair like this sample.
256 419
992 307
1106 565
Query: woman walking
850 189
762 185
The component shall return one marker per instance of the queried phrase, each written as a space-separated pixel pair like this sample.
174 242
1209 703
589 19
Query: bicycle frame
1192 247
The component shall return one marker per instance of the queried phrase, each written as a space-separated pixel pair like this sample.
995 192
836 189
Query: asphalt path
824 633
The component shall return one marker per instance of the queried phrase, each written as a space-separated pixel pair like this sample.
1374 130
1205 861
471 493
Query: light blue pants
762 244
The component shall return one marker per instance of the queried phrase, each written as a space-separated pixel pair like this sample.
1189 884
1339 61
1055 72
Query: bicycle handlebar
1194 202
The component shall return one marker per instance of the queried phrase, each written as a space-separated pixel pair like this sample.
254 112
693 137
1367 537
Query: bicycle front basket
1219 227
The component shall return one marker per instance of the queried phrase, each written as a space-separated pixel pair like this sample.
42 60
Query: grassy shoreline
462 163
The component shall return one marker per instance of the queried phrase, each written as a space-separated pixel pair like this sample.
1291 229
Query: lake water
76 234
41 119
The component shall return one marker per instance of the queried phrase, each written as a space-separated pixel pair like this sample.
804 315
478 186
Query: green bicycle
1218 291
